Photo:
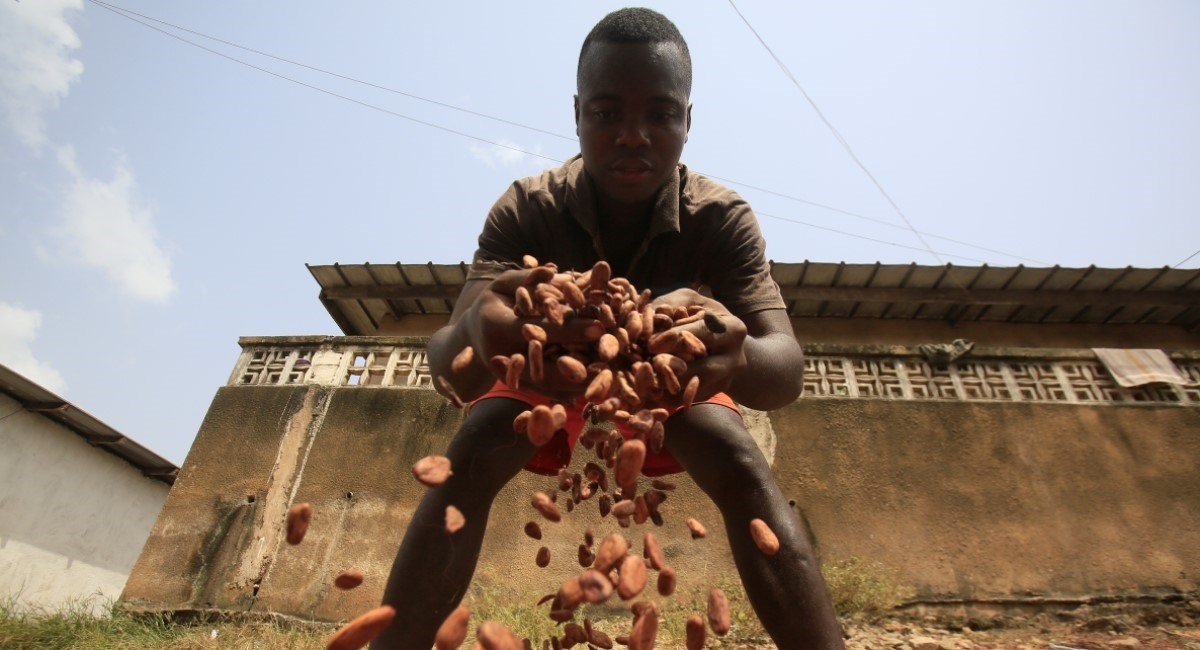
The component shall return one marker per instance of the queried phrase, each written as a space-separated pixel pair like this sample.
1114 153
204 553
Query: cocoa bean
596 586
512 376
632 578
573 295
541 425
652 551
494 636
559 412
586 556
764 537
666 581
564 480
560 616
453 630
454 520
546 506
600 387
633 326
697 529
537 367
695 631
521 422
692 345
659 484
645 630
654 498
348 579
533 530
543 557
448 391
608 347
640 512
605 505
299 517
612 549
432 470
689 393
360 631
663 342
600 639
462 360
571 369
656 437
607 319
523 303
686 320
718 612
630 459
623 509
570 594
573 633
533 332
529 262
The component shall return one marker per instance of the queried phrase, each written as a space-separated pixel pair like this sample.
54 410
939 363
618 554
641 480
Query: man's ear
577 115
688 126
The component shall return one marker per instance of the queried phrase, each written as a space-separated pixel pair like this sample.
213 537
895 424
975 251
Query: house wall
73 517
967 500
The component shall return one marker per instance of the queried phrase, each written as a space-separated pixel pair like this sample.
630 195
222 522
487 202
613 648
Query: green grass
855 585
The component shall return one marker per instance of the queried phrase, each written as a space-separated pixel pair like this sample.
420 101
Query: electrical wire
1186 259
129 15
872 239
841 140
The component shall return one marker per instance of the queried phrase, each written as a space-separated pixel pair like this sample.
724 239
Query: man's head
632 111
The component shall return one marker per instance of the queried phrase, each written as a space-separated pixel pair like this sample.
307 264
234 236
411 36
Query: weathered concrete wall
979 500
72 517
967 500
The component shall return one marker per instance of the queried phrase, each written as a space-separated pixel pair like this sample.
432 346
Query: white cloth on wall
1138 367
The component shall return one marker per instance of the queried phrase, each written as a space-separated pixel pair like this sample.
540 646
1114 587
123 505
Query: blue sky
159 201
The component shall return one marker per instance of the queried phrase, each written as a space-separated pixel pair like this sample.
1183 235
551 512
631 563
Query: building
956 425
77 500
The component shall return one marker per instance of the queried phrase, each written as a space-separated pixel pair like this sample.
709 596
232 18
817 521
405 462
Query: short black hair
637 25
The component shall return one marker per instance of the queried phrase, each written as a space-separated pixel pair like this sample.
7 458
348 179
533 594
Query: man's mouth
632 170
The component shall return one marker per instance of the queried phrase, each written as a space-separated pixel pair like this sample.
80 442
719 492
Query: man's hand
486 321
723 334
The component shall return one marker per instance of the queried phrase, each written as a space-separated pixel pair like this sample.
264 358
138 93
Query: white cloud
506 158
36 64
18 328
106 226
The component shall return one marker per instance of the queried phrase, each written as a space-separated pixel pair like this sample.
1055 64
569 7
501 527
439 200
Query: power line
872 239
322 90
128 14
836 134
1186 259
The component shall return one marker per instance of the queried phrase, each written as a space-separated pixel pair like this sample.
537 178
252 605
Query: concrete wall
967 500
73 518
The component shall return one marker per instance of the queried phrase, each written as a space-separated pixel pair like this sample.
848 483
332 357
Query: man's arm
774 373
448 341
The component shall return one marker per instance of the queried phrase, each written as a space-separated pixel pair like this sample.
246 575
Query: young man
627 200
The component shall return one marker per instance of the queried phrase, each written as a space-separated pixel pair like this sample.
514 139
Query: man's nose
633 135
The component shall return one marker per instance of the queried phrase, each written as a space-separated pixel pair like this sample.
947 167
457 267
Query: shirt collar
581 201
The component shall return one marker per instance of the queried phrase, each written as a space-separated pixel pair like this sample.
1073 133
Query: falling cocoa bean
632 577
541 425
596 586
543 557
454 520
659 484
586 556
348 579
537 368
764 537
533 530
608 347
570 594
453 630
494 636
645 630
718 612
640 512
652 551
697 529
521 422
612 549
546 506
299 517
462 360
605 505
432 470
666 581
696 632
629 463
360 631
600 387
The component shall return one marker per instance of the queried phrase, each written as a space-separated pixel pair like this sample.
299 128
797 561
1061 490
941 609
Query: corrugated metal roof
35 399
359 295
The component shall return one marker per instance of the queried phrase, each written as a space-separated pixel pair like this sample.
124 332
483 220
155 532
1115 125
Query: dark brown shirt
701 235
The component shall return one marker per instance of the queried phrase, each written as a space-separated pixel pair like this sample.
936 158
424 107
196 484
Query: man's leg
787 590
433 569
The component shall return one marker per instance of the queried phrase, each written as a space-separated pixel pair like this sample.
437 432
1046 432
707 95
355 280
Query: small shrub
858 586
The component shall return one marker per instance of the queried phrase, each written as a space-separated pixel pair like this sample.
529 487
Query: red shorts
556 454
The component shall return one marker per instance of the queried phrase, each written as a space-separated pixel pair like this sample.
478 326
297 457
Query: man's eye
604 115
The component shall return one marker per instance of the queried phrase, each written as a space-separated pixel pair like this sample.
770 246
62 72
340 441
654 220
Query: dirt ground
1175 627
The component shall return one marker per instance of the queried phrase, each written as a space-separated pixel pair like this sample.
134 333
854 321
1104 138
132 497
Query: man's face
632 115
